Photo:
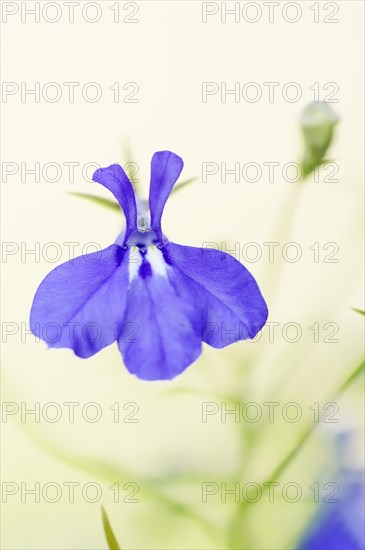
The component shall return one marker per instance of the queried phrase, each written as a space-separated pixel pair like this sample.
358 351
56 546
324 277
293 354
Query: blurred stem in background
236 532
317 124
236 529
317 121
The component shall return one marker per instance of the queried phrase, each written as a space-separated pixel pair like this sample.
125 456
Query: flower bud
317 121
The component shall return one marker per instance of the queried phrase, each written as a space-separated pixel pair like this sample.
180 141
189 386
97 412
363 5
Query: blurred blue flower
340 523
157 299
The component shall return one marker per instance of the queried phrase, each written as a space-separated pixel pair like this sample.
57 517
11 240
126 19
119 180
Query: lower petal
165 328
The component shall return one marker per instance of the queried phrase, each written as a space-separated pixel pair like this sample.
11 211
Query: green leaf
351 378
106 203
183 184
361 311
110 537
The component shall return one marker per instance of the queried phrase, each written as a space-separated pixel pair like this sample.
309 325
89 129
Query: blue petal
166 167
340 525
116 180
165 326
81 304
228 296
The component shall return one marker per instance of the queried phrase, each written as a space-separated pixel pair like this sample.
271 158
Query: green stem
235 525
110 473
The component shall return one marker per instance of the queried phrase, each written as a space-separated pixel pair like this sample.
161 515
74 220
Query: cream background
169 54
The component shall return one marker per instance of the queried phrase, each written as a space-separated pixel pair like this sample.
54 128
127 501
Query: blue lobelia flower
157 299
340 523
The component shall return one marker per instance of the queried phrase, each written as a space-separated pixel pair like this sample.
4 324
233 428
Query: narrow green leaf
106 203
361 311
127 154
183 184
110 537
351 378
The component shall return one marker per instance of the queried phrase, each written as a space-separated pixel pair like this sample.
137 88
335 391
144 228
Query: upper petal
81 303
231 302
166 167
165 326
116 180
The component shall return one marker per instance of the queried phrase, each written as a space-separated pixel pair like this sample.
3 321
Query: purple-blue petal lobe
166 327
166 167
81 303
230 301
116 180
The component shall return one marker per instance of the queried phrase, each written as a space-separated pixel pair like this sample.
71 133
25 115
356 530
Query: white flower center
156 260
150 254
